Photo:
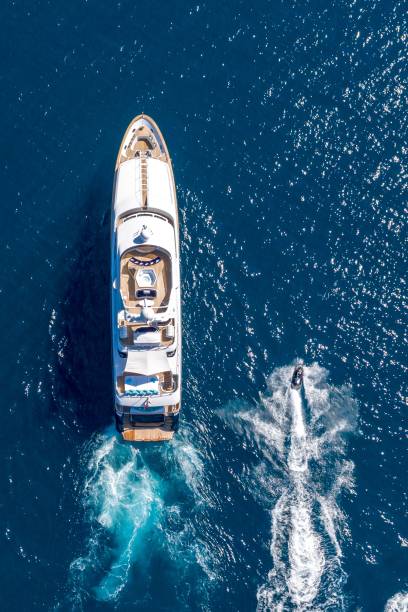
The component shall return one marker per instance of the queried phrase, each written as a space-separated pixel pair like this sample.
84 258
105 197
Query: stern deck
147 435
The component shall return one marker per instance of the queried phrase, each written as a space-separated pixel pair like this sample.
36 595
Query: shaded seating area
147 373
141 386
141 262
145 276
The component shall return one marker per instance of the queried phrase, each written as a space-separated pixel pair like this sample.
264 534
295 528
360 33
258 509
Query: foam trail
126 514
397 603
297 460
127 504
121 497
189 470
307 524
306 559
329 514
275 598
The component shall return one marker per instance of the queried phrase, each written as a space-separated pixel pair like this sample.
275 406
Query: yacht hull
145 287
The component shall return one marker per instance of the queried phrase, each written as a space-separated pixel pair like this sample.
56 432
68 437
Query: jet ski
297 377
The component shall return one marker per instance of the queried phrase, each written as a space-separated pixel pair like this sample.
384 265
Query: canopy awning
147 362
128 193
162 233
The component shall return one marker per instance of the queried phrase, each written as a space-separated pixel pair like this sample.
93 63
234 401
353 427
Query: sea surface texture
287 125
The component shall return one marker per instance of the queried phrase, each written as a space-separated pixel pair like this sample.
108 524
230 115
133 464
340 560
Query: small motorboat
297 377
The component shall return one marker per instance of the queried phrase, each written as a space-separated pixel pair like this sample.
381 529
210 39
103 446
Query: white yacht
146 305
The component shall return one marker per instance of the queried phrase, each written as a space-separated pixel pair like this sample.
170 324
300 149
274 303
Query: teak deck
147 435
142 141
129 284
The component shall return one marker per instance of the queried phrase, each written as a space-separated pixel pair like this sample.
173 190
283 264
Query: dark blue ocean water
287 125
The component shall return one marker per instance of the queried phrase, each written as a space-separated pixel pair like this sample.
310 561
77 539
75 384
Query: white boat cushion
146 337
141 385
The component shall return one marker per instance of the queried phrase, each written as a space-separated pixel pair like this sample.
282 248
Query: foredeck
142 141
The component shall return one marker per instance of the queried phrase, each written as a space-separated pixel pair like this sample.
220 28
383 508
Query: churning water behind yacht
137 503
397 603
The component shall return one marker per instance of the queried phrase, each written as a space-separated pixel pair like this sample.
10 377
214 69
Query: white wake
130 497
297 459
397 603
302 437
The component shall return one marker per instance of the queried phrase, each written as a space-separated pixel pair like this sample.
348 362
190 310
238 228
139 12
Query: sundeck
146 331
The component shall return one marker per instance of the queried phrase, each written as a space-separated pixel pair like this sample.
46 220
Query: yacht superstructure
146 305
